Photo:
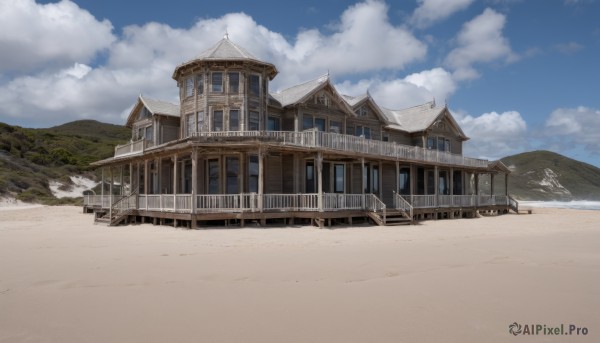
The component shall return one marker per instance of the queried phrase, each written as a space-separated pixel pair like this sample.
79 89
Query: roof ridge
325 77
430 103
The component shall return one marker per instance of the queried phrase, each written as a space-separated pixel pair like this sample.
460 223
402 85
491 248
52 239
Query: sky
518 75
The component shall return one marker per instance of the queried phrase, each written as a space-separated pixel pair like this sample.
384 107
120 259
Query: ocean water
576 204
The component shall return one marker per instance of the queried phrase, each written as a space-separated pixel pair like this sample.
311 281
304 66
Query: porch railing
335 201
348 143
131 148
434 201
401 204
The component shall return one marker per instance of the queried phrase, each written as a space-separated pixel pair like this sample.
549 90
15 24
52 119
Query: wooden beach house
233 152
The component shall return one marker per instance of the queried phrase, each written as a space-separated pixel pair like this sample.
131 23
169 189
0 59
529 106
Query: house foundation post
320 181
194 187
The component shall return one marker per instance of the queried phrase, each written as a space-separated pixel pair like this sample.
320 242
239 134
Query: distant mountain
30 158
545 175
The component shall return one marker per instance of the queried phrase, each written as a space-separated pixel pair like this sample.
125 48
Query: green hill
545 175
29 158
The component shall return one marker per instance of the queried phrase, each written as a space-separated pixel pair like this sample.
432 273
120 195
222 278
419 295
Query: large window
149 135
335 126
189 124
430 182
443 186
216 82
253 121
338 174
254 85
307 122
273 124
404 187
213 176
234 120
363 131
234 82
310 177
320 124
200 84
217 121
375 179
233 169
253 174
438 143
189 87
200 125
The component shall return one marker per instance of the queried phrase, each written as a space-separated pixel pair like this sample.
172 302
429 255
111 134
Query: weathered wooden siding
273 174
356 178
388 183
288 173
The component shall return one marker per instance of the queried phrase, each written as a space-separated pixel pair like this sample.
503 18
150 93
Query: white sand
63 279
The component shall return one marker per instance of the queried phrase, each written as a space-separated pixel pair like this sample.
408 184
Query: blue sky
517 75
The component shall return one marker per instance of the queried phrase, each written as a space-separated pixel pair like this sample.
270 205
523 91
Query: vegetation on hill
545 175
29 158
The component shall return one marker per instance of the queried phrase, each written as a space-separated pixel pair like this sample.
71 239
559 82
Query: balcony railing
437 201
329 141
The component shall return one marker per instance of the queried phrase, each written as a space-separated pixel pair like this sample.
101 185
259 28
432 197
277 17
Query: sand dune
63 279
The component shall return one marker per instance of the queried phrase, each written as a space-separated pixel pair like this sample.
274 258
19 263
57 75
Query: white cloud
575 127
143 58
480 41
493 135
431 11
34 36
415 89
568 48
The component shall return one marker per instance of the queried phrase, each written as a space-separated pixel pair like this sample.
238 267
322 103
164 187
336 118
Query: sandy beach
63 279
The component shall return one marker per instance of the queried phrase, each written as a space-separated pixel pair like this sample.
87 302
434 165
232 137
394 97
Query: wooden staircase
120 210
390 217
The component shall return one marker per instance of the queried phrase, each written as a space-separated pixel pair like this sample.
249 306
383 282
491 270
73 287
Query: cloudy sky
518 75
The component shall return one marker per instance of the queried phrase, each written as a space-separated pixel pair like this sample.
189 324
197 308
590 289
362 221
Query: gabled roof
420 118
299 93
357 101
156 107
498 166
226 50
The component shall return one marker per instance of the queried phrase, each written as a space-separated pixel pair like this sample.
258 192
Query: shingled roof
156 107
418 118
297 93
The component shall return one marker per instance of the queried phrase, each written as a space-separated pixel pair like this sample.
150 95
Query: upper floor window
254 85
200 84
234 82
200 123
217 121
307 122
217 82
234 120
190 124
144 113
438 143
310 122
335 127
362 111
253 121
273 124
363 131
189 87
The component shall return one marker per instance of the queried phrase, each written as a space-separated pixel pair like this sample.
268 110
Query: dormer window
322 99
216 82
362 111
189 87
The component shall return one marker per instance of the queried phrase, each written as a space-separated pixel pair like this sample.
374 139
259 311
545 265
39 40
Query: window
234 120
385 138
432 143
213 176
335 127
217 121
363 131
200 124
350 130
438 143
273 124
189 87
375 179
366 179
189 124
253 174
254 85
310 177
233 168
457 176
149 135
200 84
253 121
443 186
234 82
307 122
404 187
430 182
362 111
217 82
338 174
320 124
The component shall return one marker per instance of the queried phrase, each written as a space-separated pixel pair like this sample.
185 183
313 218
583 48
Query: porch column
412 183
110 171
362 174
476 189
146 181
194 185
320 181
137 178
102 188
121 180
506 184
175 182
130 178
159 176
295 168
436 183
397 177
451 181
261 175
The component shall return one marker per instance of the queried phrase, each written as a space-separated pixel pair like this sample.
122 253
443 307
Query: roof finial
433 103
226 35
